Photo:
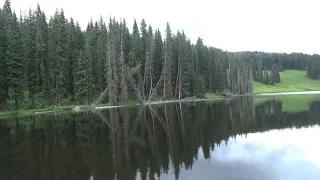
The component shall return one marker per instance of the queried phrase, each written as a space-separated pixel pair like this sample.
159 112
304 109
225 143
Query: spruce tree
59 54
221 77
41 41
144 42
187 71
14 60
167 87
33 71
266 77
83 77
101 54
92 40
3 64
157 56
272 79
136 45
136 55
72 56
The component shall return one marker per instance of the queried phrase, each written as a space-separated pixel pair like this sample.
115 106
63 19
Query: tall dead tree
124 87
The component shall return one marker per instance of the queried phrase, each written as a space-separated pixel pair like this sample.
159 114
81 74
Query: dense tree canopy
44 61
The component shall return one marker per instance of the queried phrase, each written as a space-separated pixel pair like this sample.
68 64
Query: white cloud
277 154
264 25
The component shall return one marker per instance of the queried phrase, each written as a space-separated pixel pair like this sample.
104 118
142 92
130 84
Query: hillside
291 80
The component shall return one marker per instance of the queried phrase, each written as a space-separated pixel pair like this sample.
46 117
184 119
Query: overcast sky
233 25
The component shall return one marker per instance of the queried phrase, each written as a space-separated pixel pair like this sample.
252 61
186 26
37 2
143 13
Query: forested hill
49 59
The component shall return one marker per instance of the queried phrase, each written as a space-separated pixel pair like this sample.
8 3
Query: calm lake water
243 139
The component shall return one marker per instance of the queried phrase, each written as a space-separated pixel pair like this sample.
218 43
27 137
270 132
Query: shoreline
81 108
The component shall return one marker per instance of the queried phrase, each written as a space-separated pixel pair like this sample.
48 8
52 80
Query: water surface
242 138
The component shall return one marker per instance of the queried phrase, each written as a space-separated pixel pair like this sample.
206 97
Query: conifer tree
221 77
272 79
41 41
33 69
167 87
72 55
59 29
83 78
14 60
3 64
157 56
101 54
187 70
266 77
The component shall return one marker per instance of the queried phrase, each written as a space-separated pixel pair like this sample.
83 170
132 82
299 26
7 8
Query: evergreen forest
46 61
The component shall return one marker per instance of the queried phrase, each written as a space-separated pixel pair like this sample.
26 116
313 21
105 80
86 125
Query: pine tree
32 71
221 77
83 78
272 79
112 65
72 55
14 59
59 32
101 54
202 61
136 55
3 64
157 56
136 45
167 87
144 43
266 77
92 41
41 43
187 70
148 68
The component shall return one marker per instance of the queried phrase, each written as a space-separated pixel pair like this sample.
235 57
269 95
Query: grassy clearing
291 103
291 80
213 96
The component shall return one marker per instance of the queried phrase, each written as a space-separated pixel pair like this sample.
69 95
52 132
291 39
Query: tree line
48 60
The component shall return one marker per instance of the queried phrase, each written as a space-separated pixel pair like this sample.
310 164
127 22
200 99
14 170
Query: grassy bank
68 108
213 96
291 80
30 112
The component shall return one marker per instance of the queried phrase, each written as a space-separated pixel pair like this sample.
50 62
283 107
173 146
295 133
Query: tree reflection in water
141 142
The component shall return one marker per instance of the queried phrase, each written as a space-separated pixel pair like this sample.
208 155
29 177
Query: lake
244 138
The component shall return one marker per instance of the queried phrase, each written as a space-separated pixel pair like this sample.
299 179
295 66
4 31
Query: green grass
213 96
31 112
291 80
291 103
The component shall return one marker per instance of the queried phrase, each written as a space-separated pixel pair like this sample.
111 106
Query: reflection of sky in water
290 154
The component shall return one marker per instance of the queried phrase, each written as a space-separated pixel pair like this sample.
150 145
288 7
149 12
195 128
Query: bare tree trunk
180 82
2 104
110 82
147 75
176 90
16 103
150 74
160 79
123 73
165 71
